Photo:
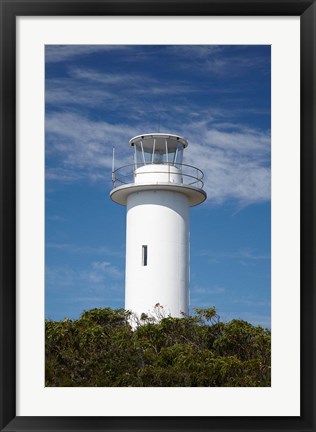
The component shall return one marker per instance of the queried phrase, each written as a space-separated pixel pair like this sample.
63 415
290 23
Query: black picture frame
9 10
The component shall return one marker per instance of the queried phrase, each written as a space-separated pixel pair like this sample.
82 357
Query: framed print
112 59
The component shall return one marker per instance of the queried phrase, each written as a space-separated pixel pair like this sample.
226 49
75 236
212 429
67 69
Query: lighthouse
158 190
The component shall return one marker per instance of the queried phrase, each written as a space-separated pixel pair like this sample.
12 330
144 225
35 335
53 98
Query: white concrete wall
158 174
160 220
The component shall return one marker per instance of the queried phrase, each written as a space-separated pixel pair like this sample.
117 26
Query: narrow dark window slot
144 255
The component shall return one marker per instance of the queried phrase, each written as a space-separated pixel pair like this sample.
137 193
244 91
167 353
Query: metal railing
189 174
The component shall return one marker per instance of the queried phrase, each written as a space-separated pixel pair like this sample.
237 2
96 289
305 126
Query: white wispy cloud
235 255
59 53
209 59
235 162
98 275
125 79
251 302
195 51
90 250
207 290
84 147
67 92
117 91
235 157
102 269
60 276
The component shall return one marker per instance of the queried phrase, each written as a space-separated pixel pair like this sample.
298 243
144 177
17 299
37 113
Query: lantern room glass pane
139 155
159 157
178 157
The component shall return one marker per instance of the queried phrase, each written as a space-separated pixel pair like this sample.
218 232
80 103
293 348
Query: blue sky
218 98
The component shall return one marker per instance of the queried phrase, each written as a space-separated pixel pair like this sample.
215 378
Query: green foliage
102 349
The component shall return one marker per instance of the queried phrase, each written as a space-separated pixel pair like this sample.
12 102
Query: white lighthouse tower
158 190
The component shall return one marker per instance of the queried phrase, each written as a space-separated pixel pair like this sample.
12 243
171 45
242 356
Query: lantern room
157 165
158 148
